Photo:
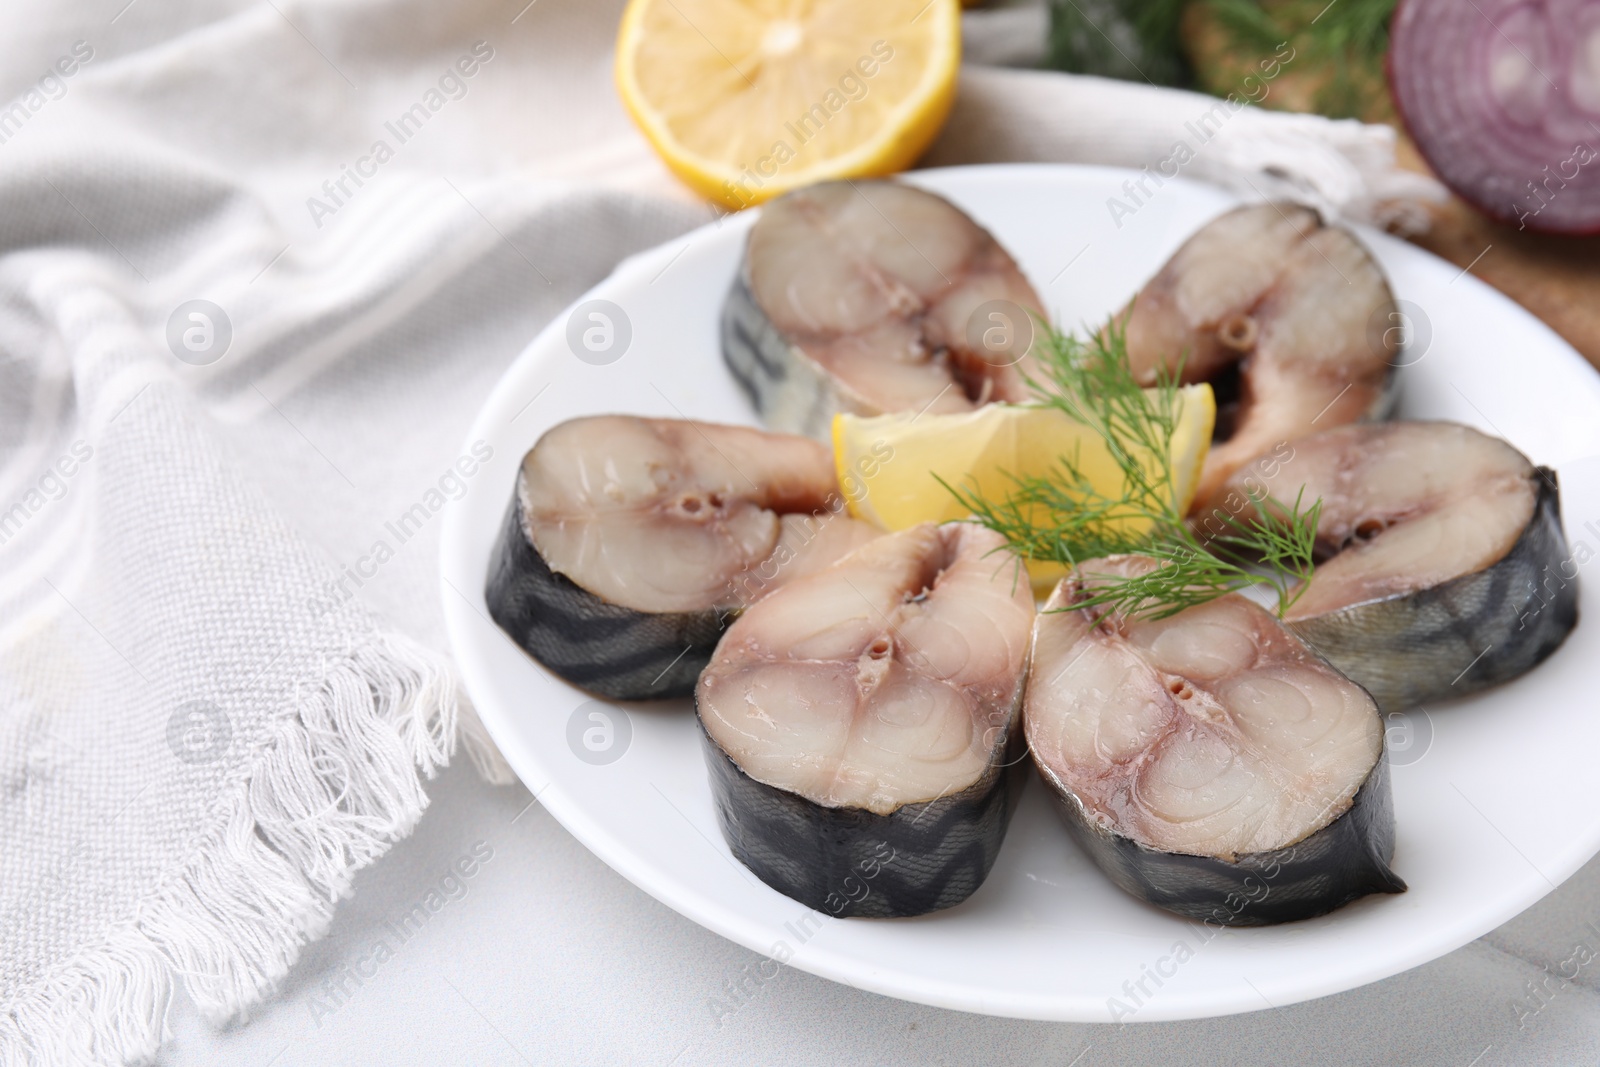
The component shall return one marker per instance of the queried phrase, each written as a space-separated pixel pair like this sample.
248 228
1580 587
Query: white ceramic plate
1493 795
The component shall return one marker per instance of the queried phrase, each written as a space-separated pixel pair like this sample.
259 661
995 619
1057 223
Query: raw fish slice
1210 763
1444 566
630 543
862 297
1302 313
862 725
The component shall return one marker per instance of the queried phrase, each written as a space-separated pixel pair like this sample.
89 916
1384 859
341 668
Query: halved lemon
886 464
745 100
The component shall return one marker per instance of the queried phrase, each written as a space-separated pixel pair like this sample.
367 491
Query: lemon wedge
746 100
886 464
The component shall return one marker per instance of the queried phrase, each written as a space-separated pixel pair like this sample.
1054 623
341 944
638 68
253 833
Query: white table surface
548 957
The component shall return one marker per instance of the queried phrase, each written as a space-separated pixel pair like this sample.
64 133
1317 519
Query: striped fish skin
1342 862
1210 763
611 651
1468 634
787 388
863 726
870 292
853 863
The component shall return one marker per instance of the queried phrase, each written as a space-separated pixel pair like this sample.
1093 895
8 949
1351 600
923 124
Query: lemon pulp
744 100
887 464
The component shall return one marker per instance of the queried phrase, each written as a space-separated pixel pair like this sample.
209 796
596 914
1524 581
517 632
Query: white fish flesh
862 724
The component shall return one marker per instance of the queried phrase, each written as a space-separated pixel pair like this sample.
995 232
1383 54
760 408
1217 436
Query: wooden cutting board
1556 278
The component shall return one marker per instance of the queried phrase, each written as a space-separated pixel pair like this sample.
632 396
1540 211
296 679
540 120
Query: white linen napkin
233 386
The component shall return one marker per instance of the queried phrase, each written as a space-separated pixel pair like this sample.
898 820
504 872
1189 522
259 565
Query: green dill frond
1064 517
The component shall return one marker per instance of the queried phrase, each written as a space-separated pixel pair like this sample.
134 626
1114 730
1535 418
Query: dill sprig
1065 517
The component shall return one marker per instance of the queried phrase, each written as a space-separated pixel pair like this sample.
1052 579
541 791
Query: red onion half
1502 98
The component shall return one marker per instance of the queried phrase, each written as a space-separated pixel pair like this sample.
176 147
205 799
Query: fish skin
608 650
1464 635
787 388
1343 861
854 863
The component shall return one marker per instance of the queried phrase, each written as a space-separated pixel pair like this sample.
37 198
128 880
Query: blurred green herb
1066 518
1340 43
1136 40
1344 41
